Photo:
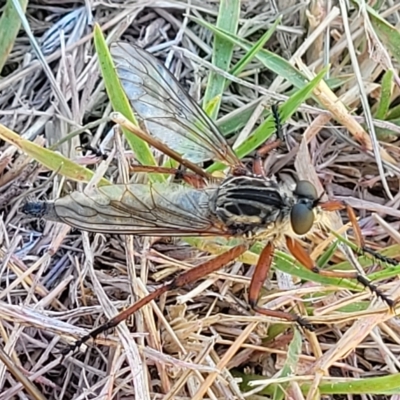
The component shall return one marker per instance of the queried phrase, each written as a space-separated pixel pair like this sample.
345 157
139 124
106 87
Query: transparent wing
167 111
159 209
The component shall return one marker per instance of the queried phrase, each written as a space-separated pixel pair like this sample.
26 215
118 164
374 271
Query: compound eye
301 218
306 189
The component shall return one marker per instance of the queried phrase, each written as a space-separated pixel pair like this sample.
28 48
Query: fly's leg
266 148
260 275
94 149
261 152
191 179
335 205
185 278
366 250
278 122
361 243
301 255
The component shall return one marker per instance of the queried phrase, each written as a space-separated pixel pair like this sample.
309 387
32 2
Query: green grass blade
272 61
237 119
388 34
228 19
10 24
389 384
119 100
384 105
327 255
48 158
290 365
239 67
386 94
381 385
388 271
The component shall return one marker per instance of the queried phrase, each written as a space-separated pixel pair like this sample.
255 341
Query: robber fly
240 205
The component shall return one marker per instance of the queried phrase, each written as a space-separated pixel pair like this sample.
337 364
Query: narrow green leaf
272 61
212 106
394 115
10 24
228 19
119 100
388 270
386 95
282 261
290 366
368 386
50 159
238 68
388 34
328 254
382 385
383 106
237 119
377 5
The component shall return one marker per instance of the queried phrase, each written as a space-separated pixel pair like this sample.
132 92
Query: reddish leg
185 278
361 242
332 205
335 205
364 249
264 265
266 148
301 255
260 275
261 152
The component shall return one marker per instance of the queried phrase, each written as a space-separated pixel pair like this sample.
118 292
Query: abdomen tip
36 209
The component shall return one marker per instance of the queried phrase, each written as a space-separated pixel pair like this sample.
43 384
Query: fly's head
247 204
305 208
